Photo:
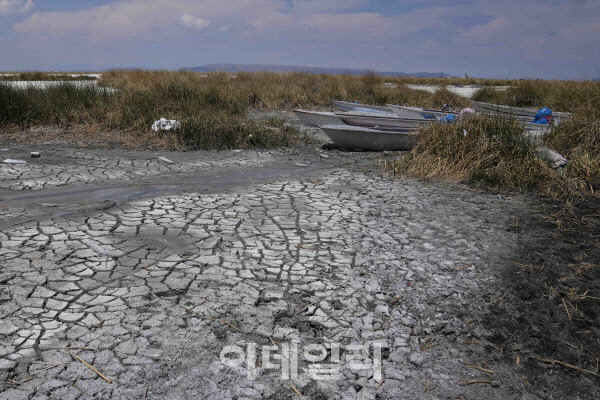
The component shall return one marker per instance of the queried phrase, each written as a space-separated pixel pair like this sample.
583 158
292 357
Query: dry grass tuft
494 153
211 107
275 91
211 115
44 76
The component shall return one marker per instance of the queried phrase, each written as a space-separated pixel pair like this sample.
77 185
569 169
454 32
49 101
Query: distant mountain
311 70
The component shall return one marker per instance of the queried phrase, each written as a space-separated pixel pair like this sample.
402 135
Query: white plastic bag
164 124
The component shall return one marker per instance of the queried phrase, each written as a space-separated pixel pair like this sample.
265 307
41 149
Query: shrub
494 152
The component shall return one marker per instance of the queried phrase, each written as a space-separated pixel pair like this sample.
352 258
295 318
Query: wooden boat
520 113
358 137
363 108
421 113
316 118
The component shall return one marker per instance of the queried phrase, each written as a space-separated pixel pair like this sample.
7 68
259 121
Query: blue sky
549 39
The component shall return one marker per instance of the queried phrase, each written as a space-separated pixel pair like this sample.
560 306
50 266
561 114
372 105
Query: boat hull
360 138
536 130
529 127
414 112
365 108
316 118
520 113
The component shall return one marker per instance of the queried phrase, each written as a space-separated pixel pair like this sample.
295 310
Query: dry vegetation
44 76
212 109
273 91
494 153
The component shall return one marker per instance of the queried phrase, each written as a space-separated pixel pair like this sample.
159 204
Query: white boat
316 118
358 137
536 130
528 125
365 108
517 112
415 112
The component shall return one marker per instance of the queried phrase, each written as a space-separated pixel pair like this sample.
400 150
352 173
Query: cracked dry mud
225 248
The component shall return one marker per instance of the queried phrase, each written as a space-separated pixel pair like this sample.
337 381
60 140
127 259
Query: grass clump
45 76
61 105
211 117
443 96
284 91
568 96
526 94
577 138
221 131
494 153
211 107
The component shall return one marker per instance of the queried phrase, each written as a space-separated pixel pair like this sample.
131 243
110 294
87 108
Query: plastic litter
164 124
35 154
301 164
551 157
448 119
543 112
466 113
98 249
165 159
544 116
13 161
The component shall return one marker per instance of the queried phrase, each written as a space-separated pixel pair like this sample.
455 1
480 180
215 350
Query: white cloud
526 31
11 7
320 6
359 24
519 31
592 28
485 33
134 18
300 20
189 21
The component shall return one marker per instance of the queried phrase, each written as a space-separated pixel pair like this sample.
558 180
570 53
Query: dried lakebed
258 249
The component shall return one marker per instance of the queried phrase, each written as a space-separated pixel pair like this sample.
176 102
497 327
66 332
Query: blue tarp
448 119
544 116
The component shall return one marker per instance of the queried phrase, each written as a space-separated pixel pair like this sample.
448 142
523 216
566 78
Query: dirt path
285 251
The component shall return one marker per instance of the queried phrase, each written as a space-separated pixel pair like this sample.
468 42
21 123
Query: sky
548 39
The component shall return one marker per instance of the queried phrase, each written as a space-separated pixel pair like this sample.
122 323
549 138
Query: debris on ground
551 157
164 124
35 154
13 161
98 249
165 159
